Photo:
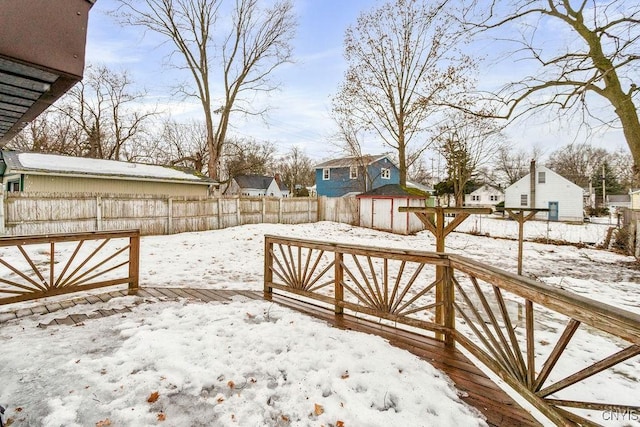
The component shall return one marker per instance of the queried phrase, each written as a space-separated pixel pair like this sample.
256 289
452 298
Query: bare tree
403 62
51 132
348 139
600 57
577 162
183 144
622 164
295 169
107 112
257 42
514 164
466 142
247 156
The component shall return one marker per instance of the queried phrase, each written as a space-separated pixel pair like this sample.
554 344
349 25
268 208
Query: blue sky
300 114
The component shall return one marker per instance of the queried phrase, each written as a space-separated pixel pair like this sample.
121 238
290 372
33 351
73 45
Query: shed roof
394 190
55 164
345 162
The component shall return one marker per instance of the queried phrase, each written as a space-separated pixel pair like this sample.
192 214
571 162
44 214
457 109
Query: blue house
338 177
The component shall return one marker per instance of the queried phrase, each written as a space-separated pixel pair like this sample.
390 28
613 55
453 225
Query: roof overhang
111 176
42 49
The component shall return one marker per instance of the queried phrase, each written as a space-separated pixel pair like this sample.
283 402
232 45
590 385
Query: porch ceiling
42 47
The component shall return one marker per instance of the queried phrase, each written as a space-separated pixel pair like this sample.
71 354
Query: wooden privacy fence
44 266
39 213
530 334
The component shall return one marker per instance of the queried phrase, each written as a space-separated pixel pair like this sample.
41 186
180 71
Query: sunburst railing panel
34 267
539 339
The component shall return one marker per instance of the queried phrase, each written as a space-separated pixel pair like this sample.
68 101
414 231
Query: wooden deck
476 388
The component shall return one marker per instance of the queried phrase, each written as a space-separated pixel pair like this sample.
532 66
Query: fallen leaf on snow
231 384
103 423
162 416
318 409
153 397
339 423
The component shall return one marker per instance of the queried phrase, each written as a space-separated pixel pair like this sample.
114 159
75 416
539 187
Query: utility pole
604 190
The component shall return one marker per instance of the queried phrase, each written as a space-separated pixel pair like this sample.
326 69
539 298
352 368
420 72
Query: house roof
394 190
419 186
540 168
55 164
346 162
618 198
261 182
487 187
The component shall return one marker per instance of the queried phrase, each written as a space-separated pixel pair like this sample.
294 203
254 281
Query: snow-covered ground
254 363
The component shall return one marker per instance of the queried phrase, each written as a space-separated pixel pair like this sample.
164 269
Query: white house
486 196
542 188
256 186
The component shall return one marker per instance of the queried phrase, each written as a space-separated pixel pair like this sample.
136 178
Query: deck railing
519 328
34 267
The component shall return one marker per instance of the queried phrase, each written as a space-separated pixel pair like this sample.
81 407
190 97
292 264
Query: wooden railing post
268 263
448 307
134 263
339 289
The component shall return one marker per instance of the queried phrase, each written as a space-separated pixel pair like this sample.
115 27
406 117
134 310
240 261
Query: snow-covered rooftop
87 166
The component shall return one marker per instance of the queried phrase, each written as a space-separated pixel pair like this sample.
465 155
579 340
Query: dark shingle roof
394 190
254 181
345 162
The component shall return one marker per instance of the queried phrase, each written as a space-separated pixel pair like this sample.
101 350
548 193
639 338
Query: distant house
256 186
542 188
339 177
486 196
635 199
379 208
52 173
618 201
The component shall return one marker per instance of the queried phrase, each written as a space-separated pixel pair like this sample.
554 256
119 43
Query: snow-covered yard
254 363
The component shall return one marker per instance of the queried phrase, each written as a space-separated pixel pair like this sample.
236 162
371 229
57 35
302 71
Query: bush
599 211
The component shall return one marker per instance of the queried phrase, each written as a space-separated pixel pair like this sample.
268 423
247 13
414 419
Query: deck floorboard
476 388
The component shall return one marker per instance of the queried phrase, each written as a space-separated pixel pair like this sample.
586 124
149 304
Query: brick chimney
532 181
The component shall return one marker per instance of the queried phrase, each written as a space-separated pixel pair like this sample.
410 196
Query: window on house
353 172
326 174
13 186
385 173
524 199
493 198
475 198
542 178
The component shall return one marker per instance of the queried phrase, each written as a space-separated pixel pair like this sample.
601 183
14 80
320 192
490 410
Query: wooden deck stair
476 388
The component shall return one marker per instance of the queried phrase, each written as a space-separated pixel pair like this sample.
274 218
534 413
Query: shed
379 208
52 173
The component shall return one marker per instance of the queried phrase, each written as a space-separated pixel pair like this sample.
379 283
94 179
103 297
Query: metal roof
42 48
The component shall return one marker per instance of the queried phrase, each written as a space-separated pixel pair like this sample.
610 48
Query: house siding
484 193
340 182
555 189
63 184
